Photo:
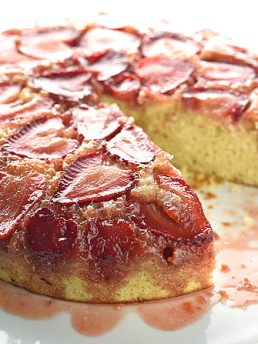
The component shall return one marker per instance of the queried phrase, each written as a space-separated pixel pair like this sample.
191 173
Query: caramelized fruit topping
48 233
163 74
41 139
90 179
17 196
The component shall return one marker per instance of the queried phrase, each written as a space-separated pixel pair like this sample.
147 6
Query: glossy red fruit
89 178
35 107
97 123
168 44
48 43
163 74
215 103
48 233
41 139
99 40
110 239
9 92
17 196
219 71
184 206
108 64
132 145
221 49
72 85
124 86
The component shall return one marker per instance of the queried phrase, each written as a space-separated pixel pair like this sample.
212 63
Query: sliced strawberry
41 139
107 65
17 196
132 145
48 233
124 86
48 43
8 52
110 239
152 217
9 93
99 40
71 85
89 179
35 107
97 123
168 44
215 102
219 71
188 211
179 218
221 49
163 74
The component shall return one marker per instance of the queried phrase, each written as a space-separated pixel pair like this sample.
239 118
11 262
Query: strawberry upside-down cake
90 208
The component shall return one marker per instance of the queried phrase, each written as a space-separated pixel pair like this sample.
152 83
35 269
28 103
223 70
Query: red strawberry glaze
98 40
48 233
110 239
168 44
132 145
89 178
41 139
17 196
48 43
97 123
163 74
217 103
124 86
28 110
97 320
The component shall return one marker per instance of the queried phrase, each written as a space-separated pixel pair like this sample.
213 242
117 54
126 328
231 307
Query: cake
92 209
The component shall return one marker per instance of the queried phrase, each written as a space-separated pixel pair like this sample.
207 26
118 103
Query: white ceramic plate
220 325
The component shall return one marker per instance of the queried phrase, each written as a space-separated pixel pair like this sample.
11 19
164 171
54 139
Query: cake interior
203 145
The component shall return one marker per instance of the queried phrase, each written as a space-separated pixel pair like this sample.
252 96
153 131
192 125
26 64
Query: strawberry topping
181 217
163 74
8 52
90 179
107 65
184 206
132 145
35 107
48 43
17 195
124 86
9 93
97 123
215 102
71 85
100 39
110 239
48 233
216 71
41 139
169 44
